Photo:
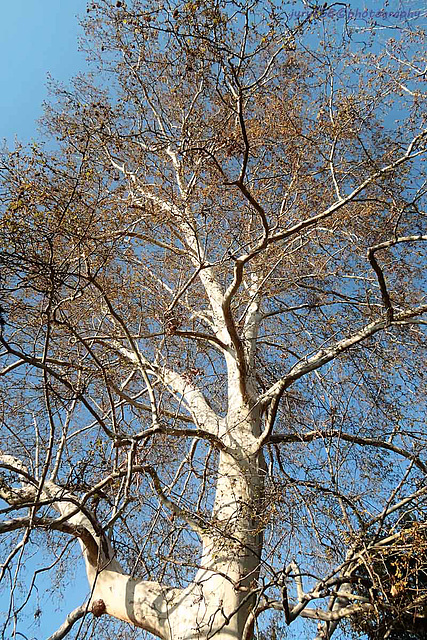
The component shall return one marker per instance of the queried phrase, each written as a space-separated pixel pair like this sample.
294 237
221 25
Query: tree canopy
213 314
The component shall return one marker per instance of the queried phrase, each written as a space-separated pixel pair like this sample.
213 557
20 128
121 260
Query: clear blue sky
37 37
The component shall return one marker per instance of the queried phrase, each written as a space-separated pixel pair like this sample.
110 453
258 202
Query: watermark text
349 13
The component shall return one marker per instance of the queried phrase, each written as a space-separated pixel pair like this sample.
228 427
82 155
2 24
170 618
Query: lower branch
348 437
70 620
142 603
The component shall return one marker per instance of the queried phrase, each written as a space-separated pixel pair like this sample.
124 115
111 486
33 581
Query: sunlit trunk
218 602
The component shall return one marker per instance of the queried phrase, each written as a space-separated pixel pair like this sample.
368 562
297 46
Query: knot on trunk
98 608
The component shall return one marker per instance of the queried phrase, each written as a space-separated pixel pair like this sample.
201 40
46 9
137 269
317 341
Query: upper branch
380 275
140 195
410 154
322 357
204 417
39 364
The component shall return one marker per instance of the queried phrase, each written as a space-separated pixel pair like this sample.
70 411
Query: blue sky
40 37
37 37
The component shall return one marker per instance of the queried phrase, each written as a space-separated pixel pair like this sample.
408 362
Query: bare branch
71 619
380 275
360 440
324 356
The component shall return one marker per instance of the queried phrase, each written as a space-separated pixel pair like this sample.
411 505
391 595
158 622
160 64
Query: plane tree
213 325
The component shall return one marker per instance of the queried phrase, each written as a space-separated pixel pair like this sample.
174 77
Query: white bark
219 600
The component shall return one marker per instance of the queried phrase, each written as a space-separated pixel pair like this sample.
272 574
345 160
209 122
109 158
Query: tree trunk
218 602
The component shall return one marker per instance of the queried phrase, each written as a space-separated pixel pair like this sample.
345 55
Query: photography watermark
355 13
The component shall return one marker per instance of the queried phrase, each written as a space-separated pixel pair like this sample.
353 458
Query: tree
398 569
213 320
